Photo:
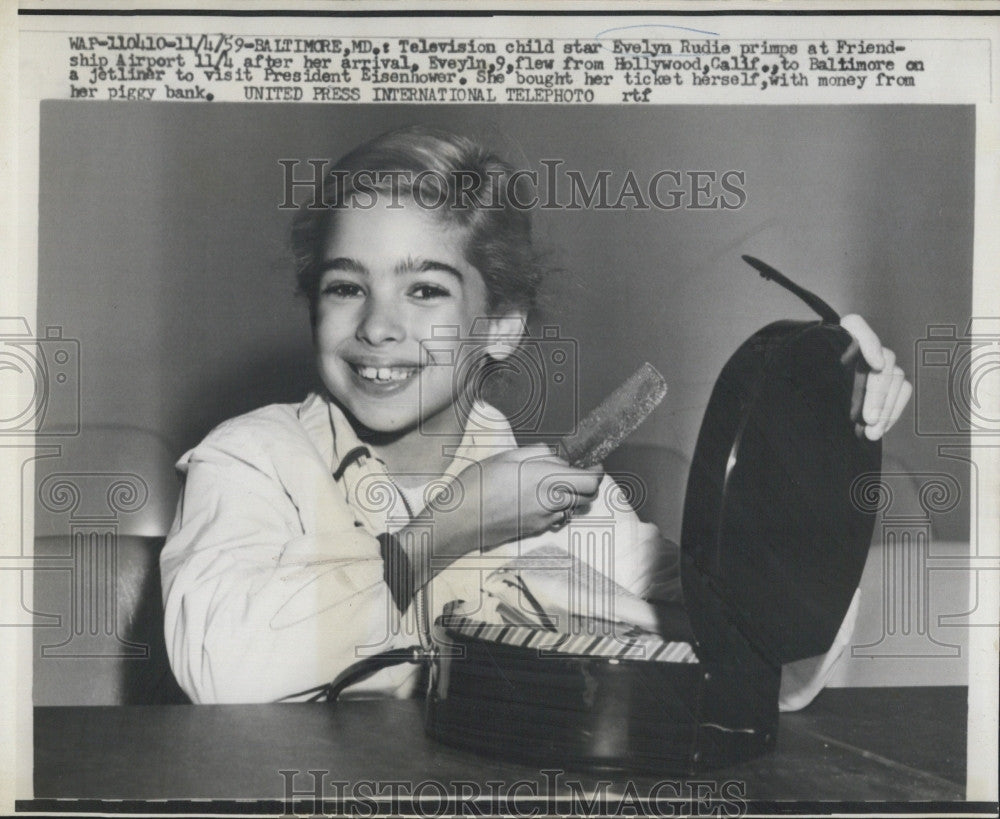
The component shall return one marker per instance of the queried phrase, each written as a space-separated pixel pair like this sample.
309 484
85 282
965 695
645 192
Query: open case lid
773 542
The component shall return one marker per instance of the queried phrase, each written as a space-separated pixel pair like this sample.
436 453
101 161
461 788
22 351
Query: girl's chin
394 426
395 413
378 423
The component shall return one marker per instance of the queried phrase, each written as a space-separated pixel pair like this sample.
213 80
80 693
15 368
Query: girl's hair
461 182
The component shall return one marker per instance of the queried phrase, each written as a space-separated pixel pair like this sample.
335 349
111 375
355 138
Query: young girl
304 531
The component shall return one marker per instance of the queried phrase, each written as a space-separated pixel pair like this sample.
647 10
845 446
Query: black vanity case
773 545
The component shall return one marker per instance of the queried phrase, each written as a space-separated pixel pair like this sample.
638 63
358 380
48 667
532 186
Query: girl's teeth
386 373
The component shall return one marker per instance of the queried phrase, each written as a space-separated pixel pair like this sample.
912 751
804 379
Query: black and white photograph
432 456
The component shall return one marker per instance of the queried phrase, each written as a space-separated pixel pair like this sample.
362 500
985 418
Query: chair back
104 501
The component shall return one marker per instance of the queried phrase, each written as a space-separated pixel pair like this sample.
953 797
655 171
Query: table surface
896 744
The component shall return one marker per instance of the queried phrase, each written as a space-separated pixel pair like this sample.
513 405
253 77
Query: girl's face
394 278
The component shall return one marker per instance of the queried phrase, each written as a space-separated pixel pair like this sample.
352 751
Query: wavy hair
467 186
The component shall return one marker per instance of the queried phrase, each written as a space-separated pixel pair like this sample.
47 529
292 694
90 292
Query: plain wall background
162 248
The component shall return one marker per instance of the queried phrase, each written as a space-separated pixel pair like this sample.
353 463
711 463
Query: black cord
329 692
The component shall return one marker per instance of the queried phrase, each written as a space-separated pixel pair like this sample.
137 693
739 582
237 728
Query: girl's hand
511 495
886 390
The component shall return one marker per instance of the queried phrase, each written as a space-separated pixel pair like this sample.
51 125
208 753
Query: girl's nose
380 322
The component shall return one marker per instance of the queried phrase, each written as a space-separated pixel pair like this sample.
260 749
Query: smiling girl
304 531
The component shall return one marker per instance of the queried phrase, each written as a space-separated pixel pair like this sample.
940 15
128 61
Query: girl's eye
341 290
425 292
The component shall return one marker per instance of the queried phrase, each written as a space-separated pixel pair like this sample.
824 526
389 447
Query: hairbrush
615 418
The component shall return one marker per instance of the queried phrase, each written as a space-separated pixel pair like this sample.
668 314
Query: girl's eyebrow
343 264
408 265
411 265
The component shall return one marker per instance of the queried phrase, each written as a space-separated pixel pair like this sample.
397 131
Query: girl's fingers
885 420
534 452
563 516
871 347
877 389
896 398
890 382
899 404
566 490
588 494
579 484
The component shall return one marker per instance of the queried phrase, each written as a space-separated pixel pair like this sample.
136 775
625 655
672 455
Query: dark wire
328 692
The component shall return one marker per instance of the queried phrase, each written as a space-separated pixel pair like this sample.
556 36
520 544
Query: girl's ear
505 333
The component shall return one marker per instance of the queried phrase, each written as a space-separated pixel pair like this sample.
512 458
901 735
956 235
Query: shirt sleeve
258 603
